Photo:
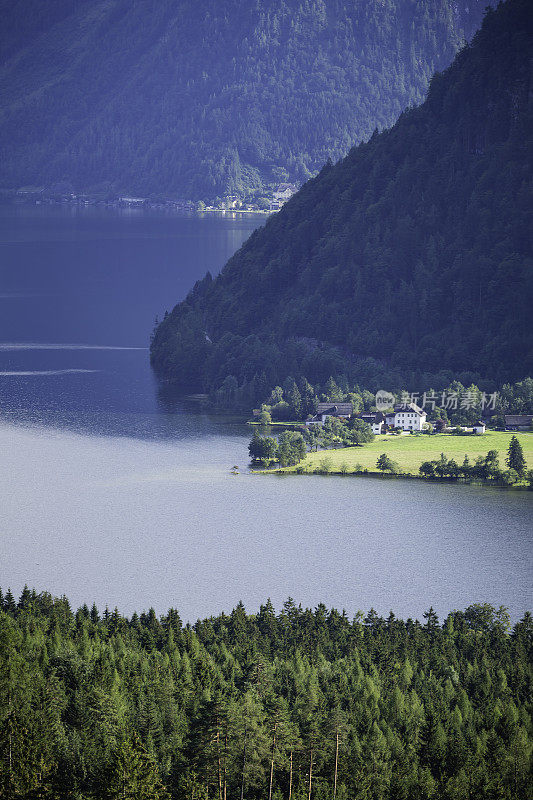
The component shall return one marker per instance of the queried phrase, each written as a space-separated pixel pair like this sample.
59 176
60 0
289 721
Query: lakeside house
330 409
132 201
518 422
376 420
408 418
284 191
232 201
280 195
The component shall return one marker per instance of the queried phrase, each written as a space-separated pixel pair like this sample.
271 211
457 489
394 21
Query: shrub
508 477
453 468
427 469
281 411
386 464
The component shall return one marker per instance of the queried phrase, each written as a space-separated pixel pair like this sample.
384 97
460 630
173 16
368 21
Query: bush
508 477
427 469
386 464
281 411
453 468
264 418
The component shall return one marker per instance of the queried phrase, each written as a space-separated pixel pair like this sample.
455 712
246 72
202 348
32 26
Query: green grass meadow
410 451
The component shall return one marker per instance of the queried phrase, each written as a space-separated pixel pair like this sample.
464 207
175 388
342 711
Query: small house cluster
280 195
407 418
326 410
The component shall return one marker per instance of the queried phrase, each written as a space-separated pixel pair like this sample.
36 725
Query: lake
116 492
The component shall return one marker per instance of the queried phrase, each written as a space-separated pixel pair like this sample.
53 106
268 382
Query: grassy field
410 451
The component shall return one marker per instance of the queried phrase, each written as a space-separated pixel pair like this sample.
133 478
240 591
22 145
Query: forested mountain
307 704
412 255
199 98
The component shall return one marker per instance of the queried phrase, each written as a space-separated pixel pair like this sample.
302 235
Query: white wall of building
409 420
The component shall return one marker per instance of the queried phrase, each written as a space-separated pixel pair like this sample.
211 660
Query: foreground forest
300 704
412 255
199 98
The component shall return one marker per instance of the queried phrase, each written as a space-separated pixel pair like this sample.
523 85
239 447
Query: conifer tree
134 774
515 457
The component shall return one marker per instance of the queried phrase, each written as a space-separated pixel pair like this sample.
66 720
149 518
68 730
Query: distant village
408 418
266 201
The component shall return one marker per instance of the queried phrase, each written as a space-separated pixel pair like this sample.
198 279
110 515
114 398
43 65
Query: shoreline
116 204
408 453
521 486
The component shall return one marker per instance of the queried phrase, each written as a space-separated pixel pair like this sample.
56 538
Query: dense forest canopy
306 703
413 254
200 98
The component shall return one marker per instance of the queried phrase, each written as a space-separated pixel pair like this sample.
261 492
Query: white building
479 427
376 421
408 418
132 201
284 191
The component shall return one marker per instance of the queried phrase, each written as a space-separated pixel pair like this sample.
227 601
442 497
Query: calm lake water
115 492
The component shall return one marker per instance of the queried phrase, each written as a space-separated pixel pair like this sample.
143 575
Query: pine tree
134 774
515 457
10 605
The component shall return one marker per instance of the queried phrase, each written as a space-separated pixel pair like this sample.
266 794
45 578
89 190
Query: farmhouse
326 410
478 427
284 191
408 418
518 422
376 421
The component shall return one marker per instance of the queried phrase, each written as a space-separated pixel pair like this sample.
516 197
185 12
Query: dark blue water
113 490
101 277
80 290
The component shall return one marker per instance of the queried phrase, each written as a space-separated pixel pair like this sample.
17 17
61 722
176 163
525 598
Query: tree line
304 703
453 403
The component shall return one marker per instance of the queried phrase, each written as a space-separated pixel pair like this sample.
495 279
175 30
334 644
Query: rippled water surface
114 491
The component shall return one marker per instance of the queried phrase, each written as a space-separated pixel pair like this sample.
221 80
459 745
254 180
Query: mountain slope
199 98
414 251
